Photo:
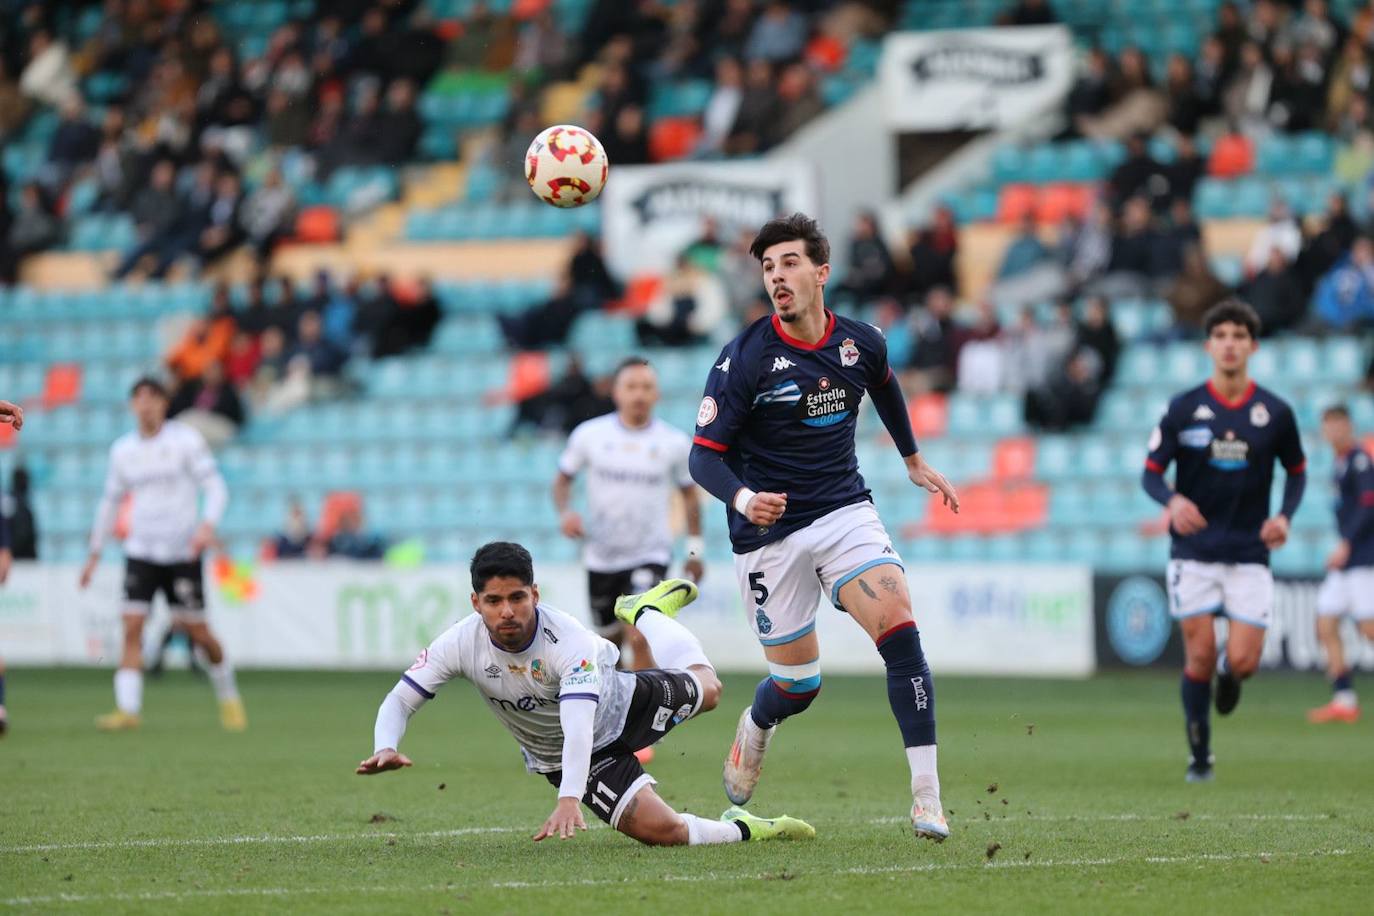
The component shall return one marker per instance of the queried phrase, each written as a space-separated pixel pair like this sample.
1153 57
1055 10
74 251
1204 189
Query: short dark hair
152 383
501 558
629 362
794 228
1235 312
1336 412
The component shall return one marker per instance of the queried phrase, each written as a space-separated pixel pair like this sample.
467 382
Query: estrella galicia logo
825 403
765 625
1138 620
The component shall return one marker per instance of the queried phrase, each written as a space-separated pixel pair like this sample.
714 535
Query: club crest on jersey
1259 415
849 354
765 626
537 669
706 413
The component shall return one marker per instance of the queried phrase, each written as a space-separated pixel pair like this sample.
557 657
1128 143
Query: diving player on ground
578 720
1225 437
775 443
1349 585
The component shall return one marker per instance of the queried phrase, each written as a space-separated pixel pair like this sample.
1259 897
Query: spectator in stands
338 308
1345 296
592 282
295 538
757 111
1180 89
1025 251
722 108
1330 243
1185 171
287 120
116 163
157 211
627 141
351 542
934 344
324 360
1027 355
223 232
1315 27
205 341
1299 90
1134 251
1091 92
1085 246
800 100
1195 290
267 214
49 77
1281 233
210 404
399 127
1139 173
570 400
245 352
1137 105
1069 396
1351 81
14 105
1029 12
1211 74
691 304
19 516
269 368
1276 294
1179 234
412 324
1246 98
870 273
779 34
1097 334
35 227
981 357
541 48
74 144
933 250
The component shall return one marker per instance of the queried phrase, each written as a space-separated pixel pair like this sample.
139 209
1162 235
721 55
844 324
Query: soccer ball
566 166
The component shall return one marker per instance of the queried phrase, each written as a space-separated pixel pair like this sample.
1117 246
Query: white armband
742 500
696 546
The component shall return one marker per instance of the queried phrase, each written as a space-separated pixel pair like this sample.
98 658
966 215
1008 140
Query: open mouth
782 296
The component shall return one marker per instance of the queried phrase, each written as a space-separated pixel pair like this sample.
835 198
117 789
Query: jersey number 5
758 588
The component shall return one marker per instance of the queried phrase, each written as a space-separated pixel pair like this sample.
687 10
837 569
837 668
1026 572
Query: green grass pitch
1063 796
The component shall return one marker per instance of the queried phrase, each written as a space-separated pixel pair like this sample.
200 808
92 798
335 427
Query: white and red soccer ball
566 166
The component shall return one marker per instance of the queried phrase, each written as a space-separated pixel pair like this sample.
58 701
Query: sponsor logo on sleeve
706 413
661 718
682 713
583 673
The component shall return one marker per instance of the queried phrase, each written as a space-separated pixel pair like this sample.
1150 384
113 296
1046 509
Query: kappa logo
782 362
724 366
849 354
493 671
1204 412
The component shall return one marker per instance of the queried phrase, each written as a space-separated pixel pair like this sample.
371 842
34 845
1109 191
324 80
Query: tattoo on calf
868 591
889 584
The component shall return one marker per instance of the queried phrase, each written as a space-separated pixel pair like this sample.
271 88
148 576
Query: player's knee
1200 664
1243 664
797 693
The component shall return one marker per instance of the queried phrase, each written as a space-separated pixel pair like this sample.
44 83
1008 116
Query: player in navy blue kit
1348 589
775 443
1224 436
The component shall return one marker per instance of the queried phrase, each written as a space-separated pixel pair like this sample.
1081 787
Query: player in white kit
633 462
577 719
166 466
12 414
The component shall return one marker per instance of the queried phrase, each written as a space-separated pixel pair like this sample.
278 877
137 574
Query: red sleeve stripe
1367 499
702 440
1301 468
1153 465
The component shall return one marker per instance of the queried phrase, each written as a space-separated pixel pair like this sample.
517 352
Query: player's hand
203 539
1274 532
380 762
1184 516
765 508
570 523
6 558
1339 556
926 477
88 570
12 414
694 569
565 821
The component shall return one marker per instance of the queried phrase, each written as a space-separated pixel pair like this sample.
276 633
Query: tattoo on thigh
868 591
630 806
889 584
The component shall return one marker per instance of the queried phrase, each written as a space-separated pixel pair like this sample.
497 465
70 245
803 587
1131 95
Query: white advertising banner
1033 620
650 213
974 79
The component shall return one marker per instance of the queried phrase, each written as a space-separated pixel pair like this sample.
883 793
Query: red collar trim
1240 402
801 344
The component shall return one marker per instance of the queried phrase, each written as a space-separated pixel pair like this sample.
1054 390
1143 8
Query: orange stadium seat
1058 201
1016 202
7 436
335 505
1014 459
1232 155
640 292
929 415
673 138
62 385
317 224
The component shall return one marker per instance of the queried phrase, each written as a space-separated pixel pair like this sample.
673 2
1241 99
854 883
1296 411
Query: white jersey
523 689
631 474
165 473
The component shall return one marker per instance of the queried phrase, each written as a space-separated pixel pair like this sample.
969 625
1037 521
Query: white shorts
782 583
1347 592
1240 591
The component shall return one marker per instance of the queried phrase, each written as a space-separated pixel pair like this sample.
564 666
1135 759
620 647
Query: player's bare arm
1184 515
382 761
925 476
1274 531
565 820
569 522
695 567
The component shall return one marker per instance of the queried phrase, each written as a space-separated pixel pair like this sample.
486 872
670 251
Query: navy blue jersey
1225 451
1354 489
783 412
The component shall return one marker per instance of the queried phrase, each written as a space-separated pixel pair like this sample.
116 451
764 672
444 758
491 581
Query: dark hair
501 558
1336 412
152 383
629 362
797 227
1235 312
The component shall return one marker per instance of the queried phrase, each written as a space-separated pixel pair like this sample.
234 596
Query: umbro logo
492 671
1204 413
724 366
782 362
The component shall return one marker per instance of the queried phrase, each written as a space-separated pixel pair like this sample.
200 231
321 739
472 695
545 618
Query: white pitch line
268 839
695 878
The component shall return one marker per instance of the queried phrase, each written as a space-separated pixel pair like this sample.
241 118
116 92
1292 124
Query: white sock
673 645
1345 698
222 679
128 689
758 737
925 781
701 832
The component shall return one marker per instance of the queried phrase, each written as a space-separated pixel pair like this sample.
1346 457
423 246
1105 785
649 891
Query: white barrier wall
973 619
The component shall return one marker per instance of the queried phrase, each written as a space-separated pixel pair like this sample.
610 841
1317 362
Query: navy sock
1197 699
910 689
772 704
1341 681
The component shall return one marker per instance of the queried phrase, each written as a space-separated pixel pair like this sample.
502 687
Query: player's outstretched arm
385 759
577 716
392 717
925 476
564 822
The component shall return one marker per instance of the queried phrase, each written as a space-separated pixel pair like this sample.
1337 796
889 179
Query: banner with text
1134 628
974 79
973 619
650 213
